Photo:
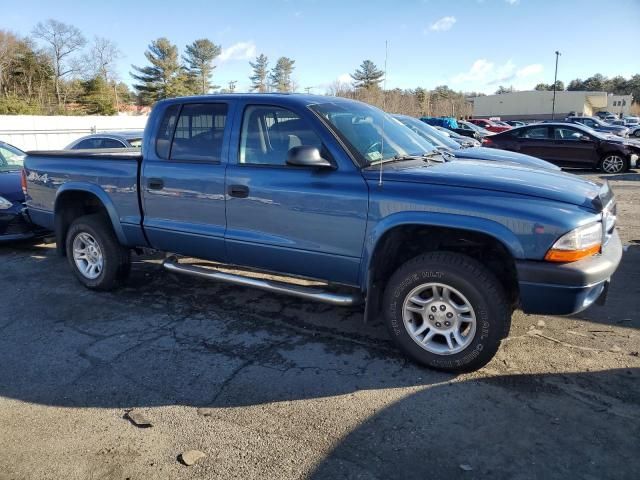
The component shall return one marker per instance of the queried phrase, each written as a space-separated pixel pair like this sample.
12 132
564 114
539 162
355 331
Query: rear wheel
447 311
614 163
95 255
636 133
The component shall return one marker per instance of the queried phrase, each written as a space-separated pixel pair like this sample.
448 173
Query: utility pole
555 82
232 85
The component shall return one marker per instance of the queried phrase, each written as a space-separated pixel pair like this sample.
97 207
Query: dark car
599 125
569 145
459 139
444 144
127 139
470 130
603 115
14 224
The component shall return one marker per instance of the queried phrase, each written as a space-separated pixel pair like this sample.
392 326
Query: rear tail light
23 181
486 141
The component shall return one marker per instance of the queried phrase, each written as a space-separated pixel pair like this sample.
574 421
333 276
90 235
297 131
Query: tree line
56 70
617 85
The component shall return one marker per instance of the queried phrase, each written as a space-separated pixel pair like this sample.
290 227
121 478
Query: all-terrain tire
116 259
483 292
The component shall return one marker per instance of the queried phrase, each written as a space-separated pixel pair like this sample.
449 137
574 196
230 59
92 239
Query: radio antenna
384 107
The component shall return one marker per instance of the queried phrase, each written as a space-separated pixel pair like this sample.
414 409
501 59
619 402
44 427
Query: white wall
36 132
530 104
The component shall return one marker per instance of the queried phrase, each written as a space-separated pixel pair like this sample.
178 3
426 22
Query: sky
469 45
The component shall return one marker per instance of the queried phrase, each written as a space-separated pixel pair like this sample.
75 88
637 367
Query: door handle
155 184
238 191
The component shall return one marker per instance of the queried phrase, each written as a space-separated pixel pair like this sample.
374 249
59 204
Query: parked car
443 143
610 118
14 223
603 115
452 125
460 139
126 139
515 123
489 125
481 132
336 190
599 125
631 121
569 145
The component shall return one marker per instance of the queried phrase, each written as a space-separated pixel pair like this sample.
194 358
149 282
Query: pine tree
165 77
97 97
199 64
281 75
367 76
260 73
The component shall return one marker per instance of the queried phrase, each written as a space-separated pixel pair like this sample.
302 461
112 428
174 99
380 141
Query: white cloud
484 75
344 78
529 70
238 51
512 2
479 71
443 24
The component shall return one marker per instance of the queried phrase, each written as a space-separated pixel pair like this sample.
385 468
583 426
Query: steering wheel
375 147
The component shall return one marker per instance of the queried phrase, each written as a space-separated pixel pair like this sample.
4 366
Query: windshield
373 134
475 127
429 133
11 158
135 142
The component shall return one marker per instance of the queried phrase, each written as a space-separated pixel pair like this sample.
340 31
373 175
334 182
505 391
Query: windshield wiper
427 157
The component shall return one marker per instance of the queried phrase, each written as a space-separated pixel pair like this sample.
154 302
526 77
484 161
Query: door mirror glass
585 138
307 156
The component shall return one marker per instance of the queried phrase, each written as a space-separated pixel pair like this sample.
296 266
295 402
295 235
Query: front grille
609 218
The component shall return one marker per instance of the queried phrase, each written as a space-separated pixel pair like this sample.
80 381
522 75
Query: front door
573 147
290 219
182 180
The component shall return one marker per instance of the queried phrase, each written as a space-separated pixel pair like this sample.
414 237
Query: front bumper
567 288
15 225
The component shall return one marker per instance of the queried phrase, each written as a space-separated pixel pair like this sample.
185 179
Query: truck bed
110 174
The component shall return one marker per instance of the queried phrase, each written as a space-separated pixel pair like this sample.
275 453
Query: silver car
125 139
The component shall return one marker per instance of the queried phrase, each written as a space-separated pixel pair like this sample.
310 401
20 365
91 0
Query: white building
537 105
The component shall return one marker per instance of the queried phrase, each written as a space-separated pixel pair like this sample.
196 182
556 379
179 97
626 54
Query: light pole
555 81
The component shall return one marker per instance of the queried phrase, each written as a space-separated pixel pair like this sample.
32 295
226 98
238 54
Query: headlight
577 244
5 204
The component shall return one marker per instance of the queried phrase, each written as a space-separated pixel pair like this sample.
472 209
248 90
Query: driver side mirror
307 156
585 138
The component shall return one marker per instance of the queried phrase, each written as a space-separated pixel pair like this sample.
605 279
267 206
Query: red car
489 125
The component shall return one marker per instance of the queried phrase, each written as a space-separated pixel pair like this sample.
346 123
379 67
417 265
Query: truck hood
10 186
503 177
495 154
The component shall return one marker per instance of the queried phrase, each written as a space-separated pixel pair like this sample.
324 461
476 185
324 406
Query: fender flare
102 196
485 226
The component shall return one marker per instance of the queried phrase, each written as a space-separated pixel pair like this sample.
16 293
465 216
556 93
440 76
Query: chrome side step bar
308 293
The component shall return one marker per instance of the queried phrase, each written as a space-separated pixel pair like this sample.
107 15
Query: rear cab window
192 132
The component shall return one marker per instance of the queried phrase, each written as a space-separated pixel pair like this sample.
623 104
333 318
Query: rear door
296 220
536 141
182 180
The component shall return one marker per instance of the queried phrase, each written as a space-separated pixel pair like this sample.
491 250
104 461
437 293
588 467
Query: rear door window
199 132
111 143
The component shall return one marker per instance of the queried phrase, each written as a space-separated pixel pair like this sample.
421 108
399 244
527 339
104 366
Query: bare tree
103 56
63 41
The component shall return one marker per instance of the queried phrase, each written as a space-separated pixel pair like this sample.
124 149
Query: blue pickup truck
336 191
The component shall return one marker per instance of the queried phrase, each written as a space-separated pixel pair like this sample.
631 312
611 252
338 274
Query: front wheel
447 311
95 255
614 163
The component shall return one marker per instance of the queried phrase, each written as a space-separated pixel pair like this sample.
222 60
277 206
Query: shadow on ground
568 426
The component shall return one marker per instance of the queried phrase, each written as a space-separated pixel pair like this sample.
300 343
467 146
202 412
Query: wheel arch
74 200
395 241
